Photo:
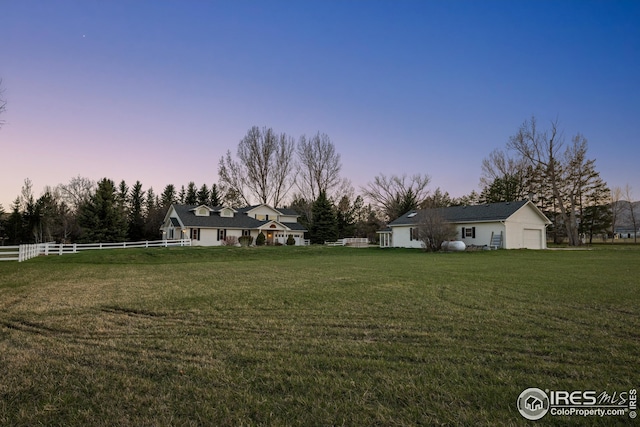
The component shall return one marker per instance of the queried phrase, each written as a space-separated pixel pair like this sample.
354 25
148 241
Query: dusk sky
158 91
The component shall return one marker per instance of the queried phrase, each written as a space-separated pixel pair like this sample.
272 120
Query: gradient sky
157 91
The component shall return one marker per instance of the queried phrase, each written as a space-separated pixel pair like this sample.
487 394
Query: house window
246 232
469 232
222 234
195 234
413 234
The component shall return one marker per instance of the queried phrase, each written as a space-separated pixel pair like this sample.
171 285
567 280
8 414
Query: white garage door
532 238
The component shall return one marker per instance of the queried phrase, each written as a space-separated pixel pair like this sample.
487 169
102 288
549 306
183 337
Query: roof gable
262 209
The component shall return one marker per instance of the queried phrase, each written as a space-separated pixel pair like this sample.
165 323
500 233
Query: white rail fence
356 242
24 252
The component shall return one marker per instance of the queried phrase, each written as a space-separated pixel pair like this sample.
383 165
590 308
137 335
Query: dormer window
202 211
226 212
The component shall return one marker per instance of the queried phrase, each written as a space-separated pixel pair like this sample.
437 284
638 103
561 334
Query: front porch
386 238
277 234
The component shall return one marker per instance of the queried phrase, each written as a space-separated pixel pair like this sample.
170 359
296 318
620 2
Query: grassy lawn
312 336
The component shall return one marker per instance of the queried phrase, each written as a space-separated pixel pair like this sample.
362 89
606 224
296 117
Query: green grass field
312 336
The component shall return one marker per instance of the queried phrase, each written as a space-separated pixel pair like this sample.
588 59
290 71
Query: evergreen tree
203 195
596 220
48 218
596 215
324 227
31 220
154 215
502 189
122 197
215 196
181 195
15 226
135 218
191 197
437 200
101 218
303 208
407 202
168 197
345 218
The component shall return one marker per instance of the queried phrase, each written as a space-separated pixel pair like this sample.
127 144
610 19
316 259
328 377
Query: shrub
261 239
290 240
230 241
245 240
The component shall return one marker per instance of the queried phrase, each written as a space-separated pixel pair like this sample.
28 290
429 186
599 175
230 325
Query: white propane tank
454 246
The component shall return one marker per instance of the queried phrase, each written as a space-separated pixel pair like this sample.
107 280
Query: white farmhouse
211 226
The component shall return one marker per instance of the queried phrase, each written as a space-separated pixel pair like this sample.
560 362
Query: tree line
305 174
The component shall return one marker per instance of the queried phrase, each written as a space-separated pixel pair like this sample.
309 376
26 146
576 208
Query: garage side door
532 238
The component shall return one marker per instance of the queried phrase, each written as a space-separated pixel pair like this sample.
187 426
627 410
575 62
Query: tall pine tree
101 217
191 198
203 195
168 197
136 217
324 226
215 196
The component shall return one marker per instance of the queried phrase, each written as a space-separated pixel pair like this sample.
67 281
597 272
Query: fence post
75 250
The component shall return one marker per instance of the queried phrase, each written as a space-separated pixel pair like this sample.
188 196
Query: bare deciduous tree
616 209
76 192
396 195
3 103
231 179
504 178
263 168
433 229
284 168
318 166
568 172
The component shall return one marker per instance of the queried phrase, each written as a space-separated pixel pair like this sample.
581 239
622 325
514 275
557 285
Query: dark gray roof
293 225
283 211
478 213
239 220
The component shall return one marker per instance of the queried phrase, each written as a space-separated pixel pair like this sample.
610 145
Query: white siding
264 210
525 230
401 238
483 232
207 237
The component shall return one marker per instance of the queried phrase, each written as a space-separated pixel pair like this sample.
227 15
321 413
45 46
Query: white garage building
507 225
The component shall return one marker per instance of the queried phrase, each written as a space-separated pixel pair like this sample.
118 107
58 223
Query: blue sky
157 91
